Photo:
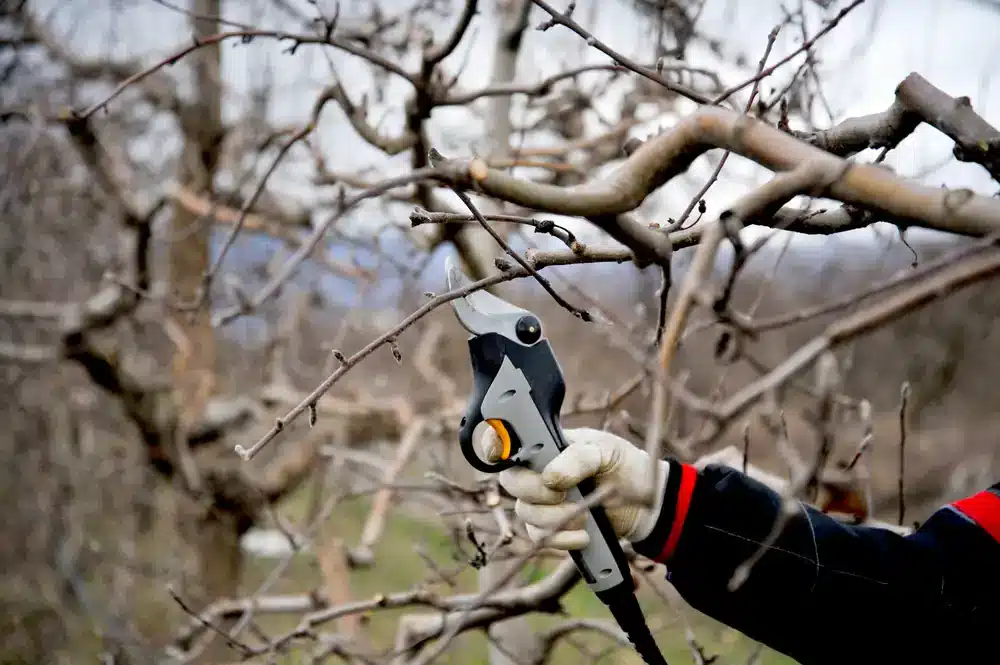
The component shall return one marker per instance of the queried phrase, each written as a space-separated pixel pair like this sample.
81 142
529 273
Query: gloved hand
541 498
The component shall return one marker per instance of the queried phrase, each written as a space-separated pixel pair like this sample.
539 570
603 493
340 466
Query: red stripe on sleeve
983 509
688 477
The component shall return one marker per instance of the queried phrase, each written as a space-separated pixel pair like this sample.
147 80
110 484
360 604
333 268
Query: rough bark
189 254
211 533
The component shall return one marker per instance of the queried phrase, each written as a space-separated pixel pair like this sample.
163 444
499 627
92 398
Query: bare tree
168 304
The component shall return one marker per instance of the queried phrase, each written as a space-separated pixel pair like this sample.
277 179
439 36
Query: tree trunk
212 534
476 247
214 537
189 255
512 642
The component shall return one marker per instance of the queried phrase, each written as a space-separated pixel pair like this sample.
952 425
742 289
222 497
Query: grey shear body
518 389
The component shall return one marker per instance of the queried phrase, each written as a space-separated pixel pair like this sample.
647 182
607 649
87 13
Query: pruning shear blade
481 312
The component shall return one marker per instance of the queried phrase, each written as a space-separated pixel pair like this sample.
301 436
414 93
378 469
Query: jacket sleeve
829 592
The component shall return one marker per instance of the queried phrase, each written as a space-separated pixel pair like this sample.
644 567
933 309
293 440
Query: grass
398 567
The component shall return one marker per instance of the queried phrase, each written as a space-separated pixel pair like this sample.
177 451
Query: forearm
807 591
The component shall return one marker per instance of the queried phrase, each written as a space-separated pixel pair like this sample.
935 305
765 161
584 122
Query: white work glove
541 498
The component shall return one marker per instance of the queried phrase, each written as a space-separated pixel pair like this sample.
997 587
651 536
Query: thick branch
975 139
356 116
917 100
660 159
878 130
439 53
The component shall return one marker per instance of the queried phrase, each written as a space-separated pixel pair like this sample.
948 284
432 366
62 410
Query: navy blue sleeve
827 592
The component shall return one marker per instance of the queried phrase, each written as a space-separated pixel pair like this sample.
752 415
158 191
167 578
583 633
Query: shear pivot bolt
528 329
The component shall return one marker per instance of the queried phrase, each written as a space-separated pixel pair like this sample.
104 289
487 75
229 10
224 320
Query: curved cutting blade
481 312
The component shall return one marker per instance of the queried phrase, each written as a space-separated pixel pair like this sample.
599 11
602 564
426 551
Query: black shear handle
541 370
486 353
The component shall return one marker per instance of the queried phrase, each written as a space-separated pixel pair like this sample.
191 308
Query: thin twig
566 19
579 313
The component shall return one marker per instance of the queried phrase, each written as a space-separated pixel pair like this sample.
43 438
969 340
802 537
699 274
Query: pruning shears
518 390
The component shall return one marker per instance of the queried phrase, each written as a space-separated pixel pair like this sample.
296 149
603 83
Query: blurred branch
424 363
754 326
156 87
542 596
436 54
566 19
375 523
356 116
309 245
958 275
337 583
543 87
274 224
473 613
805 47
246 36
25 353
107 170
565 628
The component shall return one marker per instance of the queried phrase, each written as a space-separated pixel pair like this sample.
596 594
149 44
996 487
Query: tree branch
662 158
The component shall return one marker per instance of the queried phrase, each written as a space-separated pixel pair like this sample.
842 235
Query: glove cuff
648 516
668 521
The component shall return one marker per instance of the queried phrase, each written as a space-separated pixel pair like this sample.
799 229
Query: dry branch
275 227
380 506
663 157
918 100
246 36
972 269
542 596
566 19
337 583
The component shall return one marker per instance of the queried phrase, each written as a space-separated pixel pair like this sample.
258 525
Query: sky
952 43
